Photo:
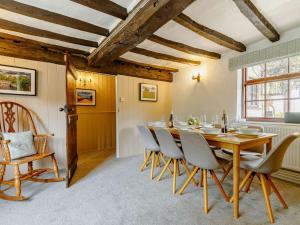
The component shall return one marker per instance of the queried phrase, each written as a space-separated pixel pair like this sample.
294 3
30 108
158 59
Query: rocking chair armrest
43 135
4 141
4 150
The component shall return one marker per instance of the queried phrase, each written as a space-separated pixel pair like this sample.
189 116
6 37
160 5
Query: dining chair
171 150
152 149
250 154
198 153
264 167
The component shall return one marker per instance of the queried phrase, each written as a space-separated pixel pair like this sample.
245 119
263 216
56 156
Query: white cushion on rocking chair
21 144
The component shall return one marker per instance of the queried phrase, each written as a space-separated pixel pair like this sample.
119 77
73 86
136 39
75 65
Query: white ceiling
220 15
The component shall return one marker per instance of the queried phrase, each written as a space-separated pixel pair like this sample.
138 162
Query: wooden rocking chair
16 118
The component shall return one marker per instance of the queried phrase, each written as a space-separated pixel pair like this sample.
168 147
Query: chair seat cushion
21 144
250 163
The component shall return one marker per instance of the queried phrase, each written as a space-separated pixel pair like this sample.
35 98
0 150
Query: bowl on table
211 130
249 131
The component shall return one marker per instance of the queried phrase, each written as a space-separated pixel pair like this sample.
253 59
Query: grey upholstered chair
152 149
198 153
170 149
264 167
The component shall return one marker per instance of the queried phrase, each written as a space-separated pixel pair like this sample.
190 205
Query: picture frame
85 97
17 80
148 92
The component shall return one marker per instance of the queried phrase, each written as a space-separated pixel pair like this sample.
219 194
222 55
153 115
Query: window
271 89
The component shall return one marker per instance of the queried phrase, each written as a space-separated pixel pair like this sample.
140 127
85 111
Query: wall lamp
83 81
196 77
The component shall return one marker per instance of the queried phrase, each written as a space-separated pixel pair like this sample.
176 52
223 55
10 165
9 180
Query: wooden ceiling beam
105 6
184 48
257 19
148 65
52 17
147 17
162 56
28 51
41 45
16 27
209 34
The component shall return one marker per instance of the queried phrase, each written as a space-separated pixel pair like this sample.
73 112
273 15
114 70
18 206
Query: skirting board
288 175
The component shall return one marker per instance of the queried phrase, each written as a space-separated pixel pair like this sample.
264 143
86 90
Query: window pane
277 67
276 108
255 109
255 72
295 105
295 88
277 90
295 64
255 92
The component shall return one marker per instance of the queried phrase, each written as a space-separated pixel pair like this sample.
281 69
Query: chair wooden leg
164 169
2 172
30 168
201 178
55 167
164 161
227 171
146 161
152 165
205 192
277 192
243 183
157 160
174 175
266 195
17 181
178 169
188 180
188 172
221 189
247 188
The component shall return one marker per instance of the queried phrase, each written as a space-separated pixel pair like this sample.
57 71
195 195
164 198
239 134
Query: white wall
133 112
45 106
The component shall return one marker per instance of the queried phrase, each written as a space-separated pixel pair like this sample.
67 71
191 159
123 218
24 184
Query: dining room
138 112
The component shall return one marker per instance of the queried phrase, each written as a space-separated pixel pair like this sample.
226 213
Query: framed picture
85 97
17 80
148 92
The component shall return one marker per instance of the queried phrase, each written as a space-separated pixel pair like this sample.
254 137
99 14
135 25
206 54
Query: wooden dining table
236 142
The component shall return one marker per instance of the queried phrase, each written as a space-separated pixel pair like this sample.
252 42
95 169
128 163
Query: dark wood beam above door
210 34
257 19
8 25
147 17
105 6
41 45
162 56
52 17
29 51
184 48
148 65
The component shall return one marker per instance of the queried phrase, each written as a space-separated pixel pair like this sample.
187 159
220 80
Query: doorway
96 125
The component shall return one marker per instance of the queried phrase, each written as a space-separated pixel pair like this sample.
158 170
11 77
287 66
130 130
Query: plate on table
211 131
252 135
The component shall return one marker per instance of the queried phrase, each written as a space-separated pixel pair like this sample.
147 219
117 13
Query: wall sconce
196 77
83 81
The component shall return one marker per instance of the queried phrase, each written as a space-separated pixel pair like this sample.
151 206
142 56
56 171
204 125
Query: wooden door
71 120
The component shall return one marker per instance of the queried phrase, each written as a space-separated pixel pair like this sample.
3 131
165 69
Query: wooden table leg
269 146
236 180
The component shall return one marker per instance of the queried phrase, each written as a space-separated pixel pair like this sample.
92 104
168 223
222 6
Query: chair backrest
274 158
167 143
260 148
15 118
147 138
197 151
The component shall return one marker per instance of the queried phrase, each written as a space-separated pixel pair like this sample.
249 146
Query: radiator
291 163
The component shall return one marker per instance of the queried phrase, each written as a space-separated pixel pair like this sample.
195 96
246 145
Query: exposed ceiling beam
8 25
257 19
184 48
105 6
162 56
210 34
147 17
27 51
41 45
148 65
52 17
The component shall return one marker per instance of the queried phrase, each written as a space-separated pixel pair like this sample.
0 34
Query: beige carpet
116 192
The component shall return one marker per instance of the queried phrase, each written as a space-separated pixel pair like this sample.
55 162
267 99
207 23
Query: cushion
21 144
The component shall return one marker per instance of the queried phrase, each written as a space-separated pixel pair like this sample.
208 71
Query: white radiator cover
292 157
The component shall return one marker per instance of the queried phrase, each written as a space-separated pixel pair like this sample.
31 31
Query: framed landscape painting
86 97
17 80
148 92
